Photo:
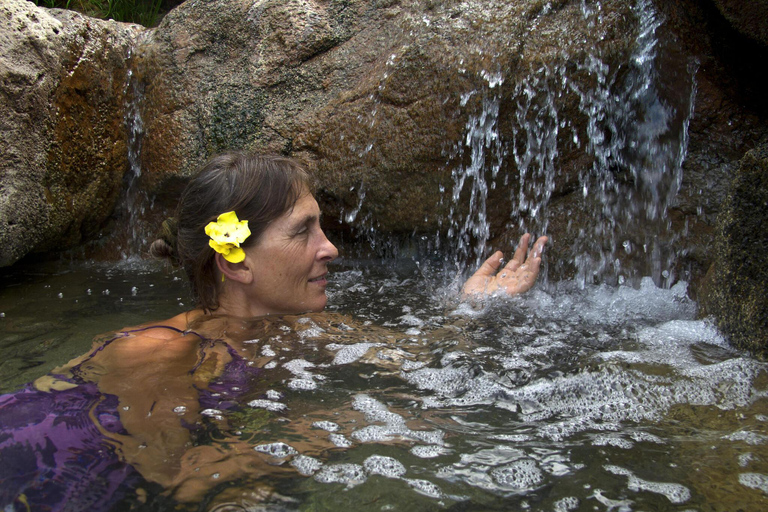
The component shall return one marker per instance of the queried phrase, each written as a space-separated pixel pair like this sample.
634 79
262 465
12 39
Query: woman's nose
328 251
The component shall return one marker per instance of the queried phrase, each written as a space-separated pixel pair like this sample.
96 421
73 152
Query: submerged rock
735 291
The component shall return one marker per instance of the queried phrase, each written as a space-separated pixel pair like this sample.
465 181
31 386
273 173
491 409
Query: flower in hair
227 233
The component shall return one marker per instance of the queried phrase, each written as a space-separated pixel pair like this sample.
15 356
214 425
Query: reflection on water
398 398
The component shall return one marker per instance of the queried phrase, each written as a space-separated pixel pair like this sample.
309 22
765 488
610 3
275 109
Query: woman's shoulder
168 329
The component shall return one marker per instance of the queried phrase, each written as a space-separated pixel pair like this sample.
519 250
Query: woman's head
258 188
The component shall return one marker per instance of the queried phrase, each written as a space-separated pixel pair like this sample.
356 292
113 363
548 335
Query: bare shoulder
168 329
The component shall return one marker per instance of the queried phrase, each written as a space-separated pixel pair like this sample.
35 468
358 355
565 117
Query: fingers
520 253
538 247
491 265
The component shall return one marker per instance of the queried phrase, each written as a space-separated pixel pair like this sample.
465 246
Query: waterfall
133 204
471 228
636 141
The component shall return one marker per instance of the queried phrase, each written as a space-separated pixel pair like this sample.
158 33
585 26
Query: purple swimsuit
54 455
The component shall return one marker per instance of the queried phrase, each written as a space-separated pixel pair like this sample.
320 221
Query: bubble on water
305 380
646 437
302 384
306 465
339 440
513 438
326 425
312 330
611 440
277 450
251 342
270 365
745 459
273 395
520 475
428 451
134 291
754 481
377 412
180 409
385 466
751 438
212 413
268 405
567 504
675 493
409 365
350 353
425 487
267 351
348 474
60 295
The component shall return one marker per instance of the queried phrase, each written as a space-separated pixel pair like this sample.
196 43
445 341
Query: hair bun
165 246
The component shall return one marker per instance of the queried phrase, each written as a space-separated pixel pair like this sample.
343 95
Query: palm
517 276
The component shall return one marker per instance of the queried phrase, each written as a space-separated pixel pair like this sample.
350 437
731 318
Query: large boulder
735 290
389 103
749 17
63 83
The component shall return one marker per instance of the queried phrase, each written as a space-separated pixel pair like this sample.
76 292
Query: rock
62 159
735 290
749 17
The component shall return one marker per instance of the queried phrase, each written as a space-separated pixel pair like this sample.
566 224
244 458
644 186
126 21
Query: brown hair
258 188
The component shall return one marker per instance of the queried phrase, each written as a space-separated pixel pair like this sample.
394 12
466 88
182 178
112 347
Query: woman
248 236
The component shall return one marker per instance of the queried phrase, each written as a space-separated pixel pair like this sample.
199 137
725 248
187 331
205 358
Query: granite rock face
416 116
62 159
735 290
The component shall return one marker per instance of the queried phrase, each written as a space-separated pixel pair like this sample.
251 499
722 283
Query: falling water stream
605 392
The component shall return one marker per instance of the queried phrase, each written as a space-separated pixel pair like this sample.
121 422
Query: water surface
400 398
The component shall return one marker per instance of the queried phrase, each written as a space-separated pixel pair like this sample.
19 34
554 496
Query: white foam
395 427
754 481
326 425
428 451
350 353
675 493
519 475
385 466
612 440
425 487
339 440
348 474
268 405
567 504
306 465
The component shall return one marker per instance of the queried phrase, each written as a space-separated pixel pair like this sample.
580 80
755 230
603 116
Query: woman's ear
238 272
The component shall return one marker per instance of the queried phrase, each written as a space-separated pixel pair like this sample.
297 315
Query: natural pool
398 398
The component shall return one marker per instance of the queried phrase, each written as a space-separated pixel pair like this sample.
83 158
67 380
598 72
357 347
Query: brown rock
62 160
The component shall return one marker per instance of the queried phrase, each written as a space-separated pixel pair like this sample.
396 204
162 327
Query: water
398 397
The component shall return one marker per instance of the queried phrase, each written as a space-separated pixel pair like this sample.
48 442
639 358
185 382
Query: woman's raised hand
517 276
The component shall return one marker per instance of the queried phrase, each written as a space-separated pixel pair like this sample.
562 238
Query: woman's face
289 262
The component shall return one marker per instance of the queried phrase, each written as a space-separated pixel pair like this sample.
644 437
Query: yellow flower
227 233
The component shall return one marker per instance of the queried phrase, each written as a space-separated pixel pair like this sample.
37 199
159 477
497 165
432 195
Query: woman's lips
320 279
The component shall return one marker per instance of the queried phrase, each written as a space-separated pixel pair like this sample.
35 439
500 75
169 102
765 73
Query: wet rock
375 98
735 290
750 17
62 157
